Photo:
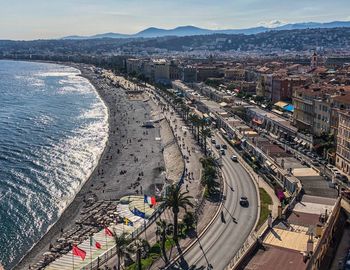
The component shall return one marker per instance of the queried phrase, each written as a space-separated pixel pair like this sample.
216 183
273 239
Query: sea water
53 129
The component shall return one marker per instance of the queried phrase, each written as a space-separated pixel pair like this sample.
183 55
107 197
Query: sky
45 19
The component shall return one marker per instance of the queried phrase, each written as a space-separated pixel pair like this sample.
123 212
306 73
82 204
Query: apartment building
343 142
161 71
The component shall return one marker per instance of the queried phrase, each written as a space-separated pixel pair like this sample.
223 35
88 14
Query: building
189 74
161 71
314 61
343 142
282 87
235 74
313 108
175 72
322 112
206 72
339 103
133 66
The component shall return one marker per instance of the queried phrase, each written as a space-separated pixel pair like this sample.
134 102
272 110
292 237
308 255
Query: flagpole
144 211
73 258
90 253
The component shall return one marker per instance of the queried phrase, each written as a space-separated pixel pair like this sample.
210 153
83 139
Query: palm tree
193 118
186 110
209 174
122 242
206 132
136 247
163 230
175 200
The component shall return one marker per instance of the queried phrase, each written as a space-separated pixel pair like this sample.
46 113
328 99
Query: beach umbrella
61 239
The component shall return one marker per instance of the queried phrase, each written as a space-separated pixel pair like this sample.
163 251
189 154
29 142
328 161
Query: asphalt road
227 234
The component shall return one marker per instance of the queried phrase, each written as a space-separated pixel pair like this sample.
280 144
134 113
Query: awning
289 108
281 104
277 111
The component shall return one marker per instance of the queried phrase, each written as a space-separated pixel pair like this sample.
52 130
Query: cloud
272 24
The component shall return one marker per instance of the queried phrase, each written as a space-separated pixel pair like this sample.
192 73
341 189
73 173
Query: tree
175 200
122 242
163 230
206 132
193 118
209 174
137 247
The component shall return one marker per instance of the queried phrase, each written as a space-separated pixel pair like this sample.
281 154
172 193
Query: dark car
217 146
244 201
224 146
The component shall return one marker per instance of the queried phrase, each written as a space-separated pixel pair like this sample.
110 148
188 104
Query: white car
234 158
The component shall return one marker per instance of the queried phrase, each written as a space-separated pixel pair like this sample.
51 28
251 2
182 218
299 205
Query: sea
53 129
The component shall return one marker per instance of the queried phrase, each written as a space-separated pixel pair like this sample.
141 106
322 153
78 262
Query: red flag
153 200
79 252
108 232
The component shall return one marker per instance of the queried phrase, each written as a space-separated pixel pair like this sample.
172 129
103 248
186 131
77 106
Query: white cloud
272 24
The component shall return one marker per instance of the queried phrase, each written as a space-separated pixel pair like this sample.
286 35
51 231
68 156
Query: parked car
234 158
244 201
224 146
213 141
217 146
330 167
342 177
222 151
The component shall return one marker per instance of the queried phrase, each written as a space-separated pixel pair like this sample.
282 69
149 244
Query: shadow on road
233 218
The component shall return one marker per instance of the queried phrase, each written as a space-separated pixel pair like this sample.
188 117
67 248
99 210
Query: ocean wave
52 139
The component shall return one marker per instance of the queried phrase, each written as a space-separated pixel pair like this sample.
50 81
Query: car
222 151
234 158
330 167
213 141
243 201
323 162
343 178
217 146
315 163
224 146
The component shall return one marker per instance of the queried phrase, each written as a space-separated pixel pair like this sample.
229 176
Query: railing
249 242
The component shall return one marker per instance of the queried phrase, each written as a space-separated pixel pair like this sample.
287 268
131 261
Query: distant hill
182 31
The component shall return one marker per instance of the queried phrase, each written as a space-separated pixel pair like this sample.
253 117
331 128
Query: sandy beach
132 161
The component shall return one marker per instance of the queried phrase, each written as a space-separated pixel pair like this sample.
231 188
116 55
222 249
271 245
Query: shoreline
95 183
51 230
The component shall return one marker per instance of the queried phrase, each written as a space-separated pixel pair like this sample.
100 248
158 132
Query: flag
93 242
150 200
128 222
108 232
137 212
79 252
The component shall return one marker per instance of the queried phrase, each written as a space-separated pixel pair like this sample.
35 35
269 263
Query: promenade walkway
191 154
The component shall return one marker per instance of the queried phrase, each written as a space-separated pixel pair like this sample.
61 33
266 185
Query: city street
226 235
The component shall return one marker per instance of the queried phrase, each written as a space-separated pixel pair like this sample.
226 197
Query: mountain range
182 31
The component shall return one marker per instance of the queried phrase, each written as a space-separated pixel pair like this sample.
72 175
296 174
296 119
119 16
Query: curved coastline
73 206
